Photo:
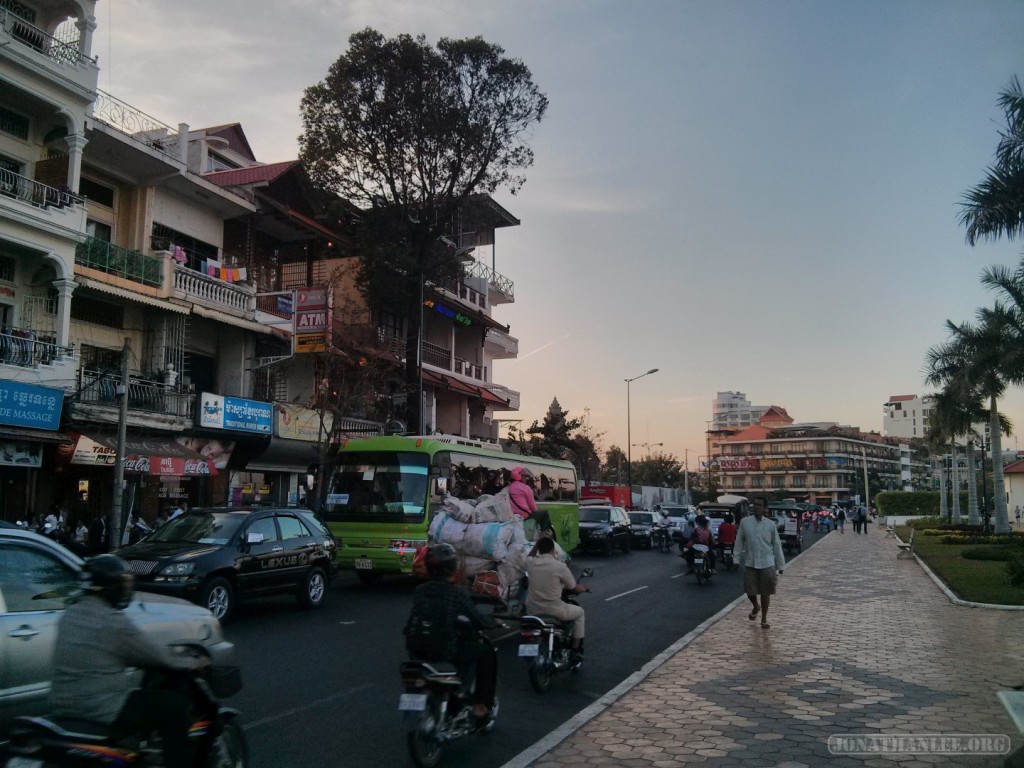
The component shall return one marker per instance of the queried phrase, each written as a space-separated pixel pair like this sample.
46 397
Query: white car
38 577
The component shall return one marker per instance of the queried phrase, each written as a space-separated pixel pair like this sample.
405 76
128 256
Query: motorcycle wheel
540 673
230 750
494 718
700 574
424 748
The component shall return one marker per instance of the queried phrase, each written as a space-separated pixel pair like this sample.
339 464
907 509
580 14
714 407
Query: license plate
364 564
412 702
531 649
23 762
698 561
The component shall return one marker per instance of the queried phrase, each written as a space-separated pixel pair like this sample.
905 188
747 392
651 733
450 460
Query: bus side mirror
440 486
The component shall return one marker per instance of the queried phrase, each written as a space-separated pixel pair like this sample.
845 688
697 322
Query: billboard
237 413
311 319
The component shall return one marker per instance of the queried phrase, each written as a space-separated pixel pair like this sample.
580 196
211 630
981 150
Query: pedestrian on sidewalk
841 520
862 519
1016 514
759 549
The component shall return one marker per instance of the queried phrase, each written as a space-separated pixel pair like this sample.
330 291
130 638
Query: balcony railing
61 51
437 356
472 370
35 193
511 395
26 349
213 292
122 262
100 388
279 303
500 339
137 124
495 280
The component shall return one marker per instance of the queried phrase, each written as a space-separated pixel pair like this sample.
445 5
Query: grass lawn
979 581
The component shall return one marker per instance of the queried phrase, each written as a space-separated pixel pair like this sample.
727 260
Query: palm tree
995 207
982 358
937 436
957 412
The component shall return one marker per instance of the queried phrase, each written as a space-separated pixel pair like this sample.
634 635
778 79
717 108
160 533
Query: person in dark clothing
96 643
454 624
97 535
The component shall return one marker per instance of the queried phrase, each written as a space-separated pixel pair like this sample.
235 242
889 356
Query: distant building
906 416
732 410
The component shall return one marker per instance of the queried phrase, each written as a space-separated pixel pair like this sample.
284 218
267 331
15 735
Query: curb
577 721
949 593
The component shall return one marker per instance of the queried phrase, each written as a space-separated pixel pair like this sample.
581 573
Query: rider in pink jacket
520 493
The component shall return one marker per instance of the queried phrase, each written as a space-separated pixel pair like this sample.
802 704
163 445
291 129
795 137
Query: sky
752 196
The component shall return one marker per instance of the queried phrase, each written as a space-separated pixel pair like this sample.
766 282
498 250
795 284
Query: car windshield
199 528
641 518
595 515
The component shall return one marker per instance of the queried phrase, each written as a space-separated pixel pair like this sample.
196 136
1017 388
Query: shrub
1015 572
995 553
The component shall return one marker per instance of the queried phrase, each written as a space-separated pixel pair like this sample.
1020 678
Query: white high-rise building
733 410
906 416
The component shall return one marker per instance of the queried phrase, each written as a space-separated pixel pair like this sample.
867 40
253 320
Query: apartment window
757 482
778 482
98 358
215 162
7 269
10 164
99 230
95 192
13 124
164 239
800 481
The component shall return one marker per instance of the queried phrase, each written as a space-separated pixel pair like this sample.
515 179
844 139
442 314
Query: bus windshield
377 487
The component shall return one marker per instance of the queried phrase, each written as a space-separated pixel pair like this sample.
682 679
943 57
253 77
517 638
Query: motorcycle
662 538
727 557
438 708
216 737
702 562
546 642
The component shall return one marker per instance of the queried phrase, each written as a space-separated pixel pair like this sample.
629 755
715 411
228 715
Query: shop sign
28 405
297 423
88 453
21 454
455 316
170 466
218 412
311 319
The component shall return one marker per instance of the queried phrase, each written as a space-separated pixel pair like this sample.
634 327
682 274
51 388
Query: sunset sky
748 196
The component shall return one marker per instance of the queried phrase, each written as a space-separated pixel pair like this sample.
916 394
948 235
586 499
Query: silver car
37 579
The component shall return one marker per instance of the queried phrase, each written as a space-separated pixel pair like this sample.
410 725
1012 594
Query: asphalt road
322 687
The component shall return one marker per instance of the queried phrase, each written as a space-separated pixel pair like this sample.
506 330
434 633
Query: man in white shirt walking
759 548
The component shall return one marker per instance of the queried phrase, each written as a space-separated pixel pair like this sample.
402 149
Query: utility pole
122 429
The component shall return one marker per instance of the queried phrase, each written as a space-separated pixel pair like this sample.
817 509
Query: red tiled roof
1016 468
755 432
899 398
252 175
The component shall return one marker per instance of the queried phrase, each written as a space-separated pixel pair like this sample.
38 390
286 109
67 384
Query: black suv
604 528
218 555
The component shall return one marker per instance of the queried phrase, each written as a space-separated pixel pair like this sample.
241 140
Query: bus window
380 486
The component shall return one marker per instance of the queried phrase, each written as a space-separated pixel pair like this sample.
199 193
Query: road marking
304 707
623 594
679 574
346 623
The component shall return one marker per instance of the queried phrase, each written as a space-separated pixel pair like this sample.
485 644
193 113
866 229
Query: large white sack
463 510
488 540
493 509
471 565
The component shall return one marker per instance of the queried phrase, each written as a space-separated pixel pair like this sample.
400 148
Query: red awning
143 455
462 387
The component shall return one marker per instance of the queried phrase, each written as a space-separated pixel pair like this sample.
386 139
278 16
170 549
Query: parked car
604 528
38 579
217 556
642 523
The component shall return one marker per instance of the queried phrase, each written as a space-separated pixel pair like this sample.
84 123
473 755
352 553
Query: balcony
40 206
216 294
34 193
62 50
120 262
138 125
500 345
501 290
511 395
442 357
144 394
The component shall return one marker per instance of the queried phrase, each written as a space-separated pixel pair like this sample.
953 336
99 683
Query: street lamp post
629 435
686 474
647 446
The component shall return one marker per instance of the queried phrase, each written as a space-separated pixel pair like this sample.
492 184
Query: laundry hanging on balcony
214 268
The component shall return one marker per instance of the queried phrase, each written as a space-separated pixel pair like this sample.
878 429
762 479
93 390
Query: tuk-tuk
788 516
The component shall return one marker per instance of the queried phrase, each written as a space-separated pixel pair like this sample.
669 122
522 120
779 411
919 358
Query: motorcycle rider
441 604
96 643
664 525
520 495
548 577
701 535
726 532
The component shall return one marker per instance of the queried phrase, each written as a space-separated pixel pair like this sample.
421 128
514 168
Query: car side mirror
254 538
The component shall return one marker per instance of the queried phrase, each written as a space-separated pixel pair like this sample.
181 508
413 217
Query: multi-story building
907 416
732 410
805 461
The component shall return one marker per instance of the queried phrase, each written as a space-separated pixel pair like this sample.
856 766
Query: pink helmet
518 472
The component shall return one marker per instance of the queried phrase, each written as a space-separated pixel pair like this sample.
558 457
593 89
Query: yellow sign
310 342
264 490
297 423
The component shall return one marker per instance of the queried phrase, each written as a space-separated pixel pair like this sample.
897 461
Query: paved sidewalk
861 643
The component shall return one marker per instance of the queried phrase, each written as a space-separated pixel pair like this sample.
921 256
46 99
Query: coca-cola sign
168 466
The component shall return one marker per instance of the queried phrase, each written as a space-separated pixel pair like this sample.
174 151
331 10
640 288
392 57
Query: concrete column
183 143
76 144
85 29
65 287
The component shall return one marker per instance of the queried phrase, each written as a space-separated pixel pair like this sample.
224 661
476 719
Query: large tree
995 207
408 132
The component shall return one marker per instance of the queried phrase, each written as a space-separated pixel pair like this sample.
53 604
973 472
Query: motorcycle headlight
178 569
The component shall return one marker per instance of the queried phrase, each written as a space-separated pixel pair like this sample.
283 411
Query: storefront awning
124 293
143 455
284 455
17 434
239 322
